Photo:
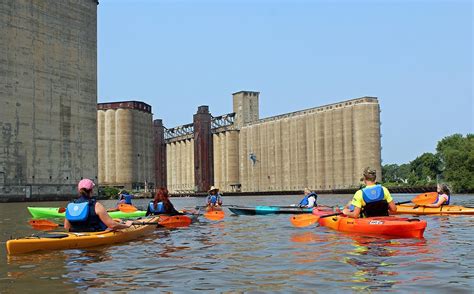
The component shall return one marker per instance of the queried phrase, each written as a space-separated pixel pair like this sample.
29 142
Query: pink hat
85 184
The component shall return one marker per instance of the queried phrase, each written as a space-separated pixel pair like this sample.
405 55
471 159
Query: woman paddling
85 214
161 204
444 196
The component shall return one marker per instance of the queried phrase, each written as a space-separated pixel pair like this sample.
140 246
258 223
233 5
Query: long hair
85 193
444 189
162 196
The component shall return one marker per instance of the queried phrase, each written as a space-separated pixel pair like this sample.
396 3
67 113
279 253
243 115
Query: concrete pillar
338 144
123 144
232 158
203 150
160 153
349 172
101 145
302 156
110 168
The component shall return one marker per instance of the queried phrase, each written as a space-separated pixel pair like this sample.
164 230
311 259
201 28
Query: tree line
453 163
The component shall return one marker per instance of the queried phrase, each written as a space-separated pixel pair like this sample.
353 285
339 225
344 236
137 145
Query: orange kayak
383 225
444 209
66 240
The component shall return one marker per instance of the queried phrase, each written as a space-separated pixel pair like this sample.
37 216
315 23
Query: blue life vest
82 216
375 204
305 200
213 199
127 198
446 202
77 212
160 208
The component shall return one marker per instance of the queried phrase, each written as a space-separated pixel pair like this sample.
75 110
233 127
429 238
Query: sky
415 56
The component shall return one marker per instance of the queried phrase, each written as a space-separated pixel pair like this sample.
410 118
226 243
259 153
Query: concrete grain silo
48 94
128 157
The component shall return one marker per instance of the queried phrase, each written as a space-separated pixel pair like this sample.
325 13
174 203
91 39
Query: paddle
127 208
164 220
214 215
422 199
304 220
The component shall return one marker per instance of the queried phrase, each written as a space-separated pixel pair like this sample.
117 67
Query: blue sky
416 56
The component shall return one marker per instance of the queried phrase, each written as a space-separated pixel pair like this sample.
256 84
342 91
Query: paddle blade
42 224
215 215
126 208
175 221
425 198
303 220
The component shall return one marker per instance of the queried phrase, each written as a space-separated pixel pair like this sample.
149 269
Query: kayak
53 212
381 225
263 210
444 209
66 240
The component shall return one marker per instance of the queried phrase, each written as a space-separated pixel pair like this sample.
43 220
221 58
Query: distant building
323 148
125 144
48 96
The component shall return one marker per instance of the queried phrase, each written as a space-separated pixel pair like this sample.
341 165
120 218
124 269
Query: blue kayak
263 210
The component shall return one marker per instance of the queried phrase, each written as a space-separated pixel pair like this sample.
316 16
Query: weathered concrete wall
125 144
321 148
180 166
226 160
48 96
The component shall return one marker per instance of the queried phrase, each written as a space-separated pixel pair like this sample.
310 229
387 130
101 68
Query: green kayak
52 212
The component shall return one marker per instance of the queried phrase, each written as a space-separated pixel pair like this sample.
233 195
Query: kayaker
309 199
373 200
87 215
125 198
444 196
161 204
214 199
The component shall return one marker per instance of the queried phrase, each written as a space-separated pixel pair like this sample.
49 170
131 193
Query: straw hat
213 188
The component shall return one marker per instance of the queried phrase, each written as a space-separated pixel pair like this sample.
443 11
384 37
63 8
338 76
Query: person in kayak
161 204
214 199
125 198
309 200
87 215
373 200
444 197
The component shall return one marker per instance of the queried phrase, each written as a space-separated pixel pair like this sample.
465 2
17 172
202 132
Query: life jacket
445 202
127 199
305 200
160 208
214 199
82 216
375 204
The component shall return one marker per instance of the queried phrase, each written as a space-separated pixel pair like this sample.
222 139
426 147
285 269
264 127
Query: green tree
426 168
457 155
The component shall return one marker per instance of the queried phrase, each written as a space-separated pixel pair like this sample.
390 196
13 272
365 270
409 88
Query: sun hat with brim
213 188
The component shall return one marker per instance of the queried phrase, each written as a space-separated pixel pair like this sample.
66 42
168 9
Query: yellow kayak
444 209
66 240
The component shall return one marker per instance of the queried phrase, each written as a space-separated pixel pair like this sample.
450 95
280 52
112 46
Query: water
249 254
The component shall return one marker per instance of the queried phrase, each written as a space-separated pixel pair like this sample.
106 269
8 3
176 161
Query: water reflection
248 254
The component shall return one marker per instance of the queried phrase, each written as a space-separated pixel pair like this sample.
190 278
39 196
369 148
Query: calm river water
249 254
